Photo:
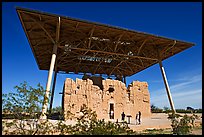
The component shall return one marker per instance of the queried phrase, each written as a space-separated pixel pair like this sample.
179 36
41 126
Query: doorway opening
111 111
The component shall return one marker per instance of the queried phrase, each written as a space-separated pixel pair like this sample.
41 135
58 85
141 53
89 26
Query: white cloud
188 81
193 99
186 93
180 99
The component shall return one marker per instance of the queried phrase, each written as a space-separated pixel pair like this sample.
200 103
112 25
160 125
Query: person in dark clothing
136 118
123 116
139 117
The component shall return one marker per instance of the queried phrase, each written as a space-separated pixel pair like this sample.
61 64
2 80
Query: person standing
123 116
139 117
136 118
112 114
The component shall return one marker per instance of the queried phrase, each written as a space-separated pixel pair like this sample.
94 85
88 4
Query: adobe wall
128 100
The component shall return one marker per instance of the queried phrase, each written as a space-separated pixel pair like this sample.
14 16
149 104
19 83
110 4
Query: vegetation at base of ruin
156 132
87 124
23 108
168 131
182 125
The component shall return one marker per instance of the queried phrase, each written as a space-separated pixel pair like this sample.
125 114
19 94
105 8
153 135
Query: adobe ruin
102 98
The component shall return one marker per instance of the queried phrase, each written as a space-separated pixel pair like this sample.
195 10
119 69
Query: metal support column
124 80
53 90
167 86
49 80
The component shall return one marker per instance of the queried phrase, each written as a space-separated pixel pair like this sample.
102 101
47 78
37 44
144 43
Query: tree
26 100
57 109
166 109
23 107
155 109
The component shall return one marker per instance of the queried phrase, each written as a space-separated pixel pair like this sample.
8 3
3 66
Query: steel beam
90 38
109 53
118 42
41 26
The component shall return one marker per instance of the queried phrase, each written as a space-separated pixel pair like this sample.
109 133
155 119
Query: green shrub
182 125
155 109
183 111
198 111
24 108
88 124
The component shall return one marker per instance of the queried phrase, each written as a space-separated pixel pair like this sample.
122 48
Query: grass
156 132
168 131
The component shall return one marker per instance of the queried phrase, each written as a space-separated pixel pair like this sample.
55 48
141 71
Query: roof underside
86 47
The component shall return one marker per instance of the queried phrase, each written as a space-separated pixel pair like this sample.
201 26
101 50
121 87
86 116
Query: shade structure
89 47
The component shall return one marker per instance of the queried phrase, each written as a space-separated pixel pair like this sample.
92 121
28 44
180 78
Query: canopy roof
87 47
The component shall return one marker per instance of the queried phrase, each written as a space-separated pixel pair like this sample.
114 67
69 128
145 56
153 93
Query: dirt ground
156 121
161 121
197 132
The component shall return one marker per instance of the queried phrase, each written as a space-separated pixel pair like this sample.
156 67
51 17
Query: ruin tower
109 98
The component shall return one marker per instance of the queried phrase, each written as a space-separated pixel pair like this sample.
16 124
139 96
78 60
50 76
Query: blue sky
181 21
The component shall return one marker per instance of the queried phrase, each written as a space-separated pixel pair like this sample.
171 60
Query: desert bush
24 106
87 124
182 125
198 111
